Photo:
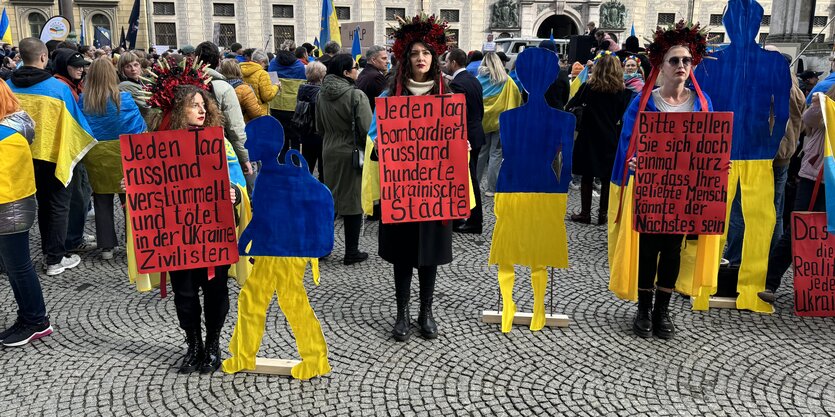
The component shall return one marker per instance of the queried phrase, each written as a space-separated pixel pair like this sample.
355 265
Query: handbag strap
815 190
354 124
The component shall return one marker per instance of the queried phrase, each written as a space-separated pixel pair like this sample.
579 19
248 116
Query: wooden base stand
524 318
723 302
274 366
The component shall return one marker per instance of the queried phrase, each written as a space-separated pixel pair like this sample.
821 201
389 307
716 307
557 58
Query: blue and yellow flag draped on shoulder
497 98
828 110
62 135
291 77
18 179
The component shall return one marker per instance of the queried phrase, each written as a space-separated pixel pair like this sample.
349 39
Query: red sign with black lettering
813 248
681 182
422 149
181 214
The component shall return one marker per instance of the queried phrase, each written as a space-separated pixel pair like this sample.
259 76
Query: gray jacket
18 216
233 118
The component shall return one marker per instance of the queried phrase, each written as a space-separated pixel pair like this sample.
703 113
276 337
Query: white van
514 46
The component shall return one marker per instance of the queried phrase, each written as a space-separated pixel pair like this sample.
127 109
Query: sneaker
489 193
724 262
91 214
107 254
88 243
767 296
68 262
26 333
6 333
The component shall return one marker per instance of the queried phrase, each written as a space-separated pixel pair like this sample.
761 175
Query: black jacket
468 85
372 82
557 94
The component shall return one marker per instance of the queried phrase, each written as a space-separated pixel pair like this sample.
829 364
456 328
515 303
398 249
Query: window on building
395 11
450 15
766 20
163 8
453 34
666 18
715 20
36 23
283 11
227 34
343 13
283 33
763 37
101 26
716 37
165 33
224 9
819 21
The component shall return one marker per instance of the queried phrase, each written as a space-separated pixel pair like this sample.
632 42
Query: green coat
337 98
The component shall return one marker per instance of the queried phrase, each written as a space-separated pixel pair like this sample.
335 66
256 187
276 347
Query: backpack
304 117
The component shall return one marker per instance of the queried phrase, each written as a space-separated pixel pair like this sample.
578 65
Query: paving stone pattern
115 350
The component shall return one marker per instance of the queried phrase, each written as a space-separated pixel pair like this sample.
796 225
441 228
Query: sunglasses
674 61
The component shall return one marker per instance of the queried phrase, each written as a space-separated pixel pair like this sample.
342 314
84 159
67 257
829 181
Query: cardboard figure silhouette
755 85
292 225
531 192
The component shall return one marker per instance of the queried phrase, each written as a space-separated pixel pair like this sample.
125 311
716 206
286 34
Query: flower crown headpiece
688 35
167 75
632 57
601 54
428 29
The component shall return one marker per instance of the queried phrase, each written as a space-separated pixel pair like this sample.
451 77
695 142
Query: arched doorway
102 33
562 25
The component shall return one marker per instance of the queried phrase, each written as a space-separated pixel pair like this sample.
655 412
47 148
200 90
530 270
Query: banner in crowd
682 173
366 33
57 28
813 248
178 199
422 149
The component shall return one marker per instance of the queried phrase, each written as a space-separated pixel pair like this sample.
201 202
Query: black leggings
659 254
403 281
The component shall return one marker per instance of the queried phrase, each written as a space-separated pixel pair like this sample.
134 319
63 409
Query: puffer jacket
17 216
246 97
257 77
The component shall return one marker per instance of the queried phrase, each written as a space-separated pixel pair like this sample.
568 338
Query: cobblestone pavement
115 350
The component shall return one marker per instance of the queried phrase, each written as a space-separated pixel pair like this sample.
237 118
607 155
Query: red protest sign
422 149
682 176
178 199
814 265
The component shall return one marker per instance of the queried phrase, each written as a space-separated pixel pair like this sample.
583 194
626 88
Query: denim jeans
14 251
490 160
736 224
781 255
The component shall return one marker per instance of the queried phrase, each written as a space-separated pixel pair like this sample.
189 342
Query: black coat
599 131
557 94
372 82
417 243
465 83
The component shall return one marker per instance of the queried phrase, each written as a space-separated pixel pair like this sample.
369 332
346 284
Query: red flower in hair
681 34
423 28
166 75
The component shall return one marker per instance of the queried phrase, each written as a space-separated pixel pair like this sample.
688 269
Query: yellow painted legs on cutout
539 282
284 277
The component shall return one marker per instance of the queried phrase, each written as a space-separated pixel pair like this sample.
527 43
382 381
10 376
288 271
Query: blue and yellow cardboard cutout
292 225
755 85
531 192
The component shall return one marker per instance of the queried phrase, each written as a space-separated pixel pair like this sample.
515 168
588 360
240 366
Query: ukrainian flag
62 135
5 28
828 110
291 77
581 78
497 98
356 48
329 26
18 179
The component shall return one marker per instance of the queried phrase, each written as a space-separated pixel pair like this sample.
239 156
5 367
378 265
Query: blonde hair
495 69
125 59
101 85
8 101
607 76
230 69
315 71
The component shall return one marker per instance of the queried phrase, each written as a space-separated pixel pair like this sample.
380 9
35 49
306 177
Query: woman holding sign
110 114
421 244
673 53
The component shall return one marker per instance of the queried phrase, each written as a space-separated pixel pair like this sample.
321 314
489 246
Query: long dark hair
403 70
341 63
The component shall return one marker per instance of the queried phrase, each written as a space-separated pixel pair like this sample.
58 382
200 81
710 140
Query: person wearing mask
17 214
231 70
463 82
55 149
312 141
342 118
227 100
256 76
372 80
111 113
557 94
290 73
604 99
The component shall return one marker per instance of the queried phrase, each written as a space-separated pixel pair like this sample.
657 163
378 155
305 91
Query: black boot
211 358
402 324
584 216
427 325
194 354
353 226
662 326
642 325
